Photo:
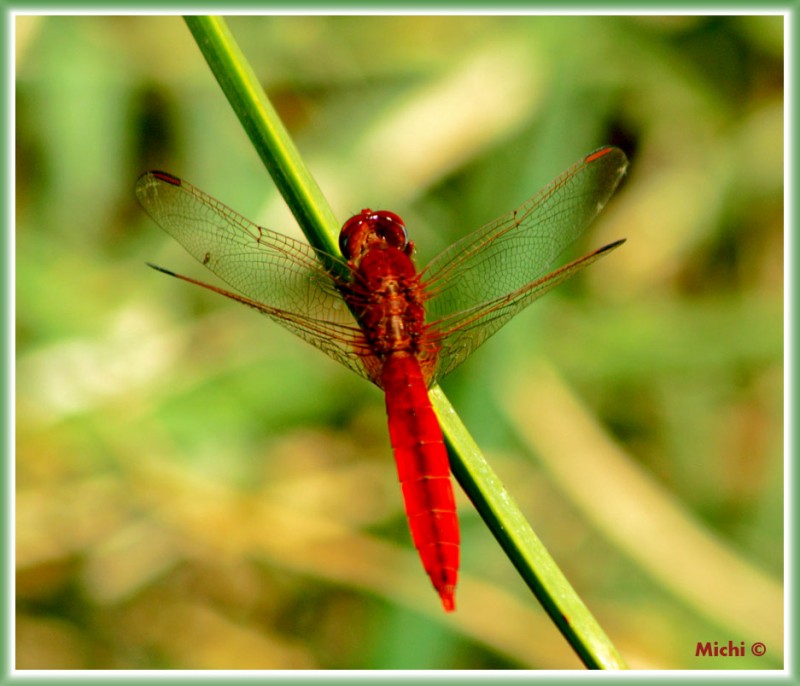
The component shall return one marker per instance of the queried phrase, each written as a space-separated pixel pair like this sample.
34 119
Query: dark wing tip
611 246
166 177
160 269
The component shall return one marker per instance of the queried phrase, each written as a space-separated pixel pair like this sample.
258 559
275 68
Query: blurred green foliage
198 489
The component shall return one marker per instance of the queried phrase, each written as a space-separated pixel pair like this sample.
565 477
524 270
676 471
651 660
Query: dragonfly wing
264 265
480 282
273 273
457 336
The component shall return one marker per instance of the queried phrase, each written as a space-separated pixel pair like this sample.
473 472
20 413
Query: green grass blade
481 484
266 132
523 547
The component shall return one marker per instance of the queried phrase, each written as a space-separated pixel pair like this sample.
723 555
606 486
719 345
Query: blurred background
198 489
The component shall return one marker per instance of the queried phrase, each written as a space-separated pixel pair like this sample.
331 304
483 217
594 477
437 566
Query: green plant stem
266 132
523 547
470 468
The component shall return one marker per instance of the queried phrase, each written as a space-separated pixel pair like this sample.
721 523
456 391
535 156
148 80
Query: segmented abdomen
424 472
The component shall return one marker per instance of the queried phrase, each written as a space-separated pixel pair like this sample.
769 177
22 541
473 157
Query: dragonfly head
371 229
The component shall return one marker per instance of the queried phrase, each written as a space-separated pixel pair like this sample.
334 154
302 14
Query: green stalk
470 468
527 553
266 132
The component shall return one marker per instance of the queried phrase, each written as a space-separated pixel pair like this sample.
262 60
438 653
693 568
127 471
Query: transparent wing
275 274
480 282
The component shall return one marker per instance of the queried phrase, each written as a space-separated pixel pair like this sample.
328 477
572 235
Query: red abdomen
424 472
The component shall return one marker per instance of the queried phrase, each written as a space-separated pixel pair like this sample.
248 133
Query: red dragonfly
400 328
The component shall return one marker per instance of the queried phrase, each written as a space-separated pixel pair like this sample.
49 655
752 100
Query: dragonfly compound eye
390 228
370 229
352 235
